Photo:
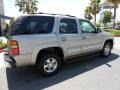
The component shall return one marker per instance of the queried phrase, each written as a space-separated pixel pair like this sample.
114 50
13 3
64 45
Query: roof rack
54 14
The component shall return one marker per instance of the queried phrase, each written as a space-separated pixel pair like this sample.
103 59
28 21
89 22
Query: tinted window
36 25
0 31
86 27
15 26
68 26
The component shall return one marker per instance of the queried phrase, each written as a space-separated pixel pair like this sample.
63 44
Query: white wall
2 13
1 7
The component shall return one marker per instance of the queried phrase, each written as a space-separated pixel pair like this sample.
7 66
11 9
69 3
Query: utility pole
102 15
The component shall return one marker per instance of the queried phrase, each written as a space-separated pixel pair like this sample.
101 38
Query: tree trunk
115 8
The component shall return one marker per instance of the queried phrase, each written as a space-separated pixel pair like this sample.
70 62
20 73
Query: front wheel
49 64
106 49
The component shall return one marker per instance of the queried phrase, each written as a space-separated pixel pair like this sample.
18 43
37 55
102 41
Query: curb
3 75
3 79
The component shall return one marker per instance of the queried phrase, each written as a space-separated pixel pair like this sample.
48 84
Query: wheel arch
102 53
57 50
110 41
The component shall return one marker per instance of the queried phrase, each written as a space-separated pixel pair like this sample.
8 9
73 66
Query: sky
72 7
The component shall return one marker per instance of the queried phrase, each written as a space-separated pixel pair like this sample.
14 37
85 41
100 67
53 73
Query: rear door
33 31
69 37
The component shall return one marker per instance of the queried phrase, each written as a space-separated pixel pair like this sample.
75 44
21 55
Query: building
2 17
2 21
107 5
1 7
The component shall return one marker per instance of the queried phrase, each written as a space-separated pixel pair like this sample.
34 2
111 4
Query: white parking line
117 43
3 77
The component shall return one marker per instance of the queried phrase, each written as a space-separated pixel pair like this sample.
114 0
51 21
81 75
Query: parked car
117 27
48 40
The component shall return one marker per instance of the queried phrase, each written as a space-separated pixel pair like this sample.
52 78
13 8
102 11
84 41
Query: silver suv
48 40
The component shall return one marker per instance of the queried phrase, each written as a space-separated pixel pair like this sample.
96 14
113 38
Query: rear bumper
10 60
20 60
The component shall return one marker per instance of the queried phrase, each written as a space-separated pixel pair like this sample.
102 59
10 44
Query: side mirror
98 30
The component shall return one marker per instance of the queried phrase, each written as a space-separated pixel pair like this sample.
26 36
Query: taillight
14 48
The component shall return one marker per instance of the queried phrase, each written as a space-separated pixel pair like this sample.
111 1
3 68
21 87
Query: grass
115 32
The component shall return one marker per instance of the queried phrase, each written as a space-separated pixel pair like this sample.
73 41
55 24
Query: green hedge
115 32
3 43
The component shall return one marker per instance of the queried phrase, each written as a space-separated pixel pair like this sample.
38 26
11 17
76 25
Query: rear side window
36 25
68 26
15 26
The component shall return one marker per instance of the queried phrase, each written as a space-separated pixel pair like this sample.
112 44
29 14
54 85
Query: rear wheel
106 49
49 64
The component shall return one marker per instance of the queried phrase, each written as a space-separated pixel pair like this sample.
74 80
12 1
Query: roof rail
69 15
54 14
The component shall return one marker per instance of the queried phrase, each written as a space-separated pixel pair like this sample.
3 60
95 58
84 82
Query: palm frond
27 6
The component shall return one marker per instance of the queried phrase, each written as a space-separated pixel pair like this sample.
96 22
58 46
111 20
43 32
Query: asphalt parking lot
91 74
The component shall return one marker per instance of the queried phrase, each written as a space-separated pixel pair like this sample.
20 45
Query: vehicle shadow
20 79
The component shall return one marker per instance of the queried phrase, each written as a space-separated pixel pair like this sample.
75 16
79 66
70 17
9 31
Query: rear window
33 25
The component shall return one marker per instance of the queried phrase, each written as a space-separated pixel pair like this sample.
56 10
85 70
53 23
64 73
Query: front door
91 40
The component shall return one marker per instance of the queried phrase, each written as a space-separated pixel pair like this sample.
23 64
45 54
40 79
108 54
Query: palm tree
27 6
115 2
87 14
95 8
107 17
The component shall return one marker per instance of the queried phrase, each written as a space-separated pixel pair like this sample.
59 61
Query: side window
31 25
38 25
68 26
86 27
0 26
15 26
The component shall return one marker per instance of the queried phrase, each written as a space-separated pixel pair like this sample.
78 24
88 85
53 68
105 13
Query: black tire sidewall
102 52
41 64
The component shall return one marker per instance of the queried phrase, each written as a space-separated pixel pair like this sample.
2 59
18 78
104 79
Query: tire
106 51
49 64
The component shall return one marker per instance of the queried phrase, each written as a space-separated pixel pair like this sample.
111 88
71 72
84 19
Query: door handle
63 38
